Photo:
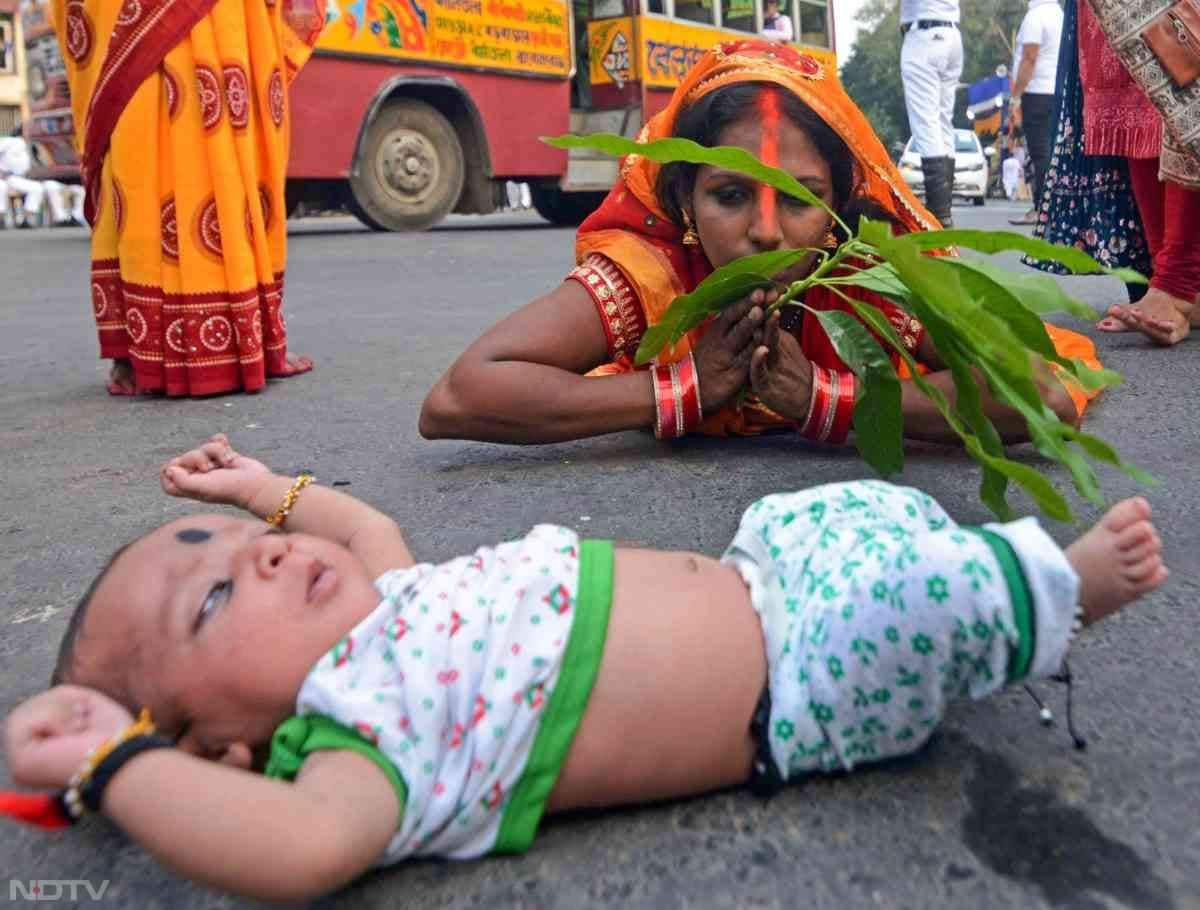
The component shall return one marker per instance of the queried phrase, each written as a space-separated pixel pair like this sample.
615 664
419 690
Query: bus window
655 6
814 23
694 10
738 14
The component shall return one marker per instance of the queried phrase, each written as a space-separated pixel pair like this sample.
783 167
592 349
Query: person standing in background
776 26
1035 69
1011 176
931 62
14 165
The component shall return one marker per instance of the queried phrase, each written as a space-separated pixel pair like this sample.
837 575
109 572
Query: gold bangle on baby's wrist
279 516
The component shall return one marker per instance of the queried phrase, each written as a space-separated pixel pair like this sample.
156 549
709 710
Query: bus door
606 91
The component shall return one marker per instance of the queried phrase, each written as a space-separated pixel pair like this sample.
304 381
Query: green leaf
1039 293
992 242
724 287
1047 433
878 418
687 312
993 486
1102 451
880 279
767 265
1040 490
666 151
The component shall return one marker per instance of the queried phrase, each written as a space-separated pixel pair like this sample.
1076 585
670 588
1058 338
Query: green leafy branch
984 321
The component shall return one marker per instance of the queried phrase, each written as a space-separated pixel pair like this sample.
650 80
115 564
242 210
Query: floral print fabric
878 610
1087 201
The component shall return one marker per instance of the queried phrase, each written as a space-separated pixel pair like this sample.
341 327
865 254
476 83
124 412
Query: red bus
412 109
50 129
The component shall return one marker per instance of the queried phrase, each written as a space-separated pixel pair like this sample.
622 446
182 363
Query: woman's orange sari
631 230
181 117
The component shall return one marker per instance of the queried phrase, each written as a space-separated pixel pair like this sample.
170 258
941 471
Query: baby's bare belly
683 668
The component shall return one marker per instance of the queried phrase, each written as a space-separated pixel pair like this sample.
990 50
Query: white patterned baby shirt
470 677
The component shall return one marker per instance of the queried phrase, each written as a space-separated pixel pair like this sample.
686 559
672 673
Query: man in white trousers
14 165
931 64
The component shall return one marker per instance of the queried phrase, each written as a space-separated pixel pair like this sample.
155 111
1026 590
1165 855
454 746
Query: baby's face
213 622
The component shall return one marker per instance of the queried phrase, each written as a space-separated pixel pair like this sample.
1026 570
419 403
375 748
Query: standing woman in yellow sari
182 121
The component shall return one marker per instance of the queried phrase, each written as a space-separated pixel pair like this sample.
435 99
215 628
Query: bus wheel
567 209
409 172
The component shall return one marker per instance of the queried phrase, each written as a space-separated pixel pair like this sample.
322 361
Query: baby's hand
215 473
47 738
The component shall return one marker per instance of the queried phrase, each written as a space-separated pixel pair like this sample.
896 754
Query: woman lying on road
562 367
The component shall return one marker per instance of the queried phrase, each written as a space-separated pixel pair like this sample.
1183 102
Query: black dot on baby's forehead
192 535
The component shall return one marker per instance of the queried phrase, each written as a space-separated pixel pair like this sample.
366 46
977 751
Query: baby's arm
214 472
252 835
212 822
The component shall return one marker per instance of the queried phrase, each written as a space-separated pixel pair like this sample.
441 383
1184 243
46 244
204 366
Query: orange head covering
875 177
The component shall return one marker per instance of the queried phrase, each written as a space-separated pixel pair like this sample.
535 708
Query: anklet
1064 676
279 516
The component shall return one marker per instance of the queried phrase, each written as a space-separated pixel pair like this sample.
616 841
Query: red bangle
666 423
692 415
831 411
676 399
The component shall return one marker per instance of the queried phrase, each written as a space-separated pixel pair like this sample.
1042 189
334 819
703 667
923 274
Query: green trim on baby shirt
1021 657
564 710
301 735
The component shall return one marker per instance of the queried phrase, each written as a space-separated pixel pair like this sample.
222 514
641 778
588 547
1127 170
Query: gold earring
690 237
831 241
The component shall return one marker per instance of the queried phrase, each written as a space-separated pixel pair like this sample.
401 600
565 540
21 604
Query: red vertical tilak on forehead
768 153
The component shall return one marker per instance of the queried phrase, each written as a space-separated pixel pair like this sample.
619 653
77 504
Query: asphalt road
996 812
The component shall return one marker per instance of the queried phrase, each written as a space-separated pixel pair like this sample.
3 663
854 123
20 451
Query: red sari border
190 343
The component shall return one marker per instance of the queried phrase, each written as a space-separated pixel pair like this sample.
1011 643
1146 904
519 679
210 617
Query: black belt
927 23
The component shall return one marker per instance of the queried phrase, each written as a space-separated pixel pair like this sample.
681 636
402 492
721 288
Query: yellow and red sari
633 262
181 118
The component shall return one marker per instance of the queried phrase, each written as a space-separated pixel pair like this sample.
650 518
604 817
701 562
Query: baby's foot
1118 560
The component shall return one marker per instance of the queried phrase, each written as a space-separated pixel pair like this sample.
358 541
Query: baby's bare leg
683 668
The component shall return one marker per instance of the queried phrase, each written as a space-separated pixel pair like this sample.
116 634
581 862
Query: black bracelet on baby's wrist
91 792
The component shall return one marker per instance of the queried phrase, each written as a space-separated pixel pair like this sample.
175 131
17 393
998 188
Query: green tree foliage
871 74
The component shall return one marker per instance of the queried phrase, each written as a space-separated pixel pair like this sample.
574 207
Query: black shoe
24 226
939 188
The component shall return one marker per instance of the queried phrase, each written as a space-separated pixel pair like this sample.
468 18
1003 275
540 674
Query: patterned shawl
1123 22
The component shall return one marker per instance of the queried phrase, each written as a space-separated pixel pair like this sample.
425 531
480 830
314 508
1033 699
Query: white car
970 168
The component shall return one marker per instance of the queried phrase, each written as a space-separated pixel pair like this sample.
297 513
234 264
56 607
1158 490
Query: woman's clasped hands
743 349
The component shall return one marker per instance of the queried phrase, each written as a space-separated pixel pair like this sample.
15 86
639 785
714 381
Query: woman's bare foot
1118 560
1117 319
293 365
120 378
1163 318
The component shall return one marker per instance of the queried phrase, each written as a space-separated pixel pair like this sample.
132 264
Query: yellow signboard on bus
660 51
528 36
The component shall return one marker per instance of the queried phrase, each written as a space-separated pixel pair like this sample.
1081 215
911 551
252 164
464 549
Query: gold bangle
279 516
